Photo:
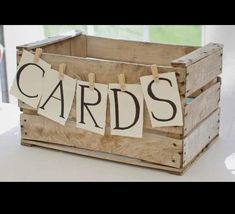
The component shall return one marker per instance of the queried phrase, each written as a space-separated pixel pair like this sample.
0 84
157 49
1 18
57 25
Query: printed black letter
18 78
83 104
162 100
60 84
137 109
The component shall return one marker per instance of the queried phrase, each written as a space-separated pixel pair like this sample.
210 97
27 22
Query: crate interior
120 50
115 50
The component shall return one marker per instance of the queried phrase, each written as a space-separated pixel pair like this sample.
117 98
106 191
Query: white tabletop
20 163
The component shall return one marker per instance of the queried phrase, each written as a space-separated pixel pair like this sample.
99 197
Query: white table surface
20 163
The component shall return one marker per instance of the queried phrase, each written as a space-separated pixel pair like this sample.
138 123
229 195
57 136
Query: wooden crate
166 148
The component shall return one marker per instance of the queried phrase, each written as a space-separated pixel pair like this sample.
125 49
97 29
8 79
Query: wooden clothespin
62 68
37 55
121 80
155 73
91 79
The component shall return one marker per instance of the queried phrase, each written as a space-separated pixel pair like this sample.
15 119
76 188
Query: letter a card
27 86
91 107
126 109
163 100
57 97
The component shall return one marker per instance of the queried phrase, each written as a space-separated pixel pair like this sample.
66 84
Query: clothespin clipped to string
37 55
121 80
91 79
62 68
155 73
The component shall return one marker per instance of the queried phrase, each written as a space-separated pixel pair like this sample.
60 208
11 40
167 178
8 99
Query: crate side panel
102 155
132 51
197 55
152 148
203 71
201 153
62 47
200 137
78 46
201 107
171 131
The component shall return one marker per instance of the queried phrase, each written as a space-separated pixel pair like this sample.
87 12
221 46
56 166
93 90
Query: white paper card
30 78
57 96
163 100
126 110
91 107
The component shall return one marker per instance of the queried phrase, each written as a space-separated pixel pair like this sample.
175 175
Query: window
172 34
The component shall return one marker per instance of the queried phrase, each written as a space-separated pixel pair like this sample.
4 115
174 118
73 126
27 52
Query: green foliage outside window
171 34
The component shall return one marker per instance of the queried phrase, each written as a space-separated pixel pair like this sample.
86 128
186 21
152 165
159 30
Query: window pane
176 34
170 34
129 32
52 30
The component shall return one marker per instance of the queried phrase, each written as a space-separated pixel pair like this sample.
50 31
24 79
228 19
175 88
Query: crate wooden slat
197 55
171 149
197 107
151 149
200 137
137 52
201 107
116 158
201 72
146 148
101 155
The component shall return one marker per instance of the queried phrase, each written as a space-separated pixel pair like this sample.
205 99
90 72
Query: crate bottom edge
112 157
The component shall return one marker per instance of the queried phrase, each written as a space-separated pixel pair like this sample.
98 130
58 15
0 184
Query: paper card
126 110
91 107
27 85
57 96
163 100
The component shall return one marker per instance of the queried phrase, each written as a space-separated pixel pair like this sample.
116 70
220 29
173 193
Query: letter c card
27 86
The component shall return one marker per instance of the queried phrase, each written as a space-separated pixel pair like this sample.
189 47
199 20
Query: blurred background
195 35
13 35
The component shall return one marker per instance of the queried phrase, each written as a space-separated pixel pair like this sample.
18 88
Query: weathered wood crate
166 148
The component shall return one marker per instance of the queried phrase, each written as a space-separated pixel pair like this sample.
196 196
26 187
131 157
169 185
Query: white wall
0 80
224 34
17 35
